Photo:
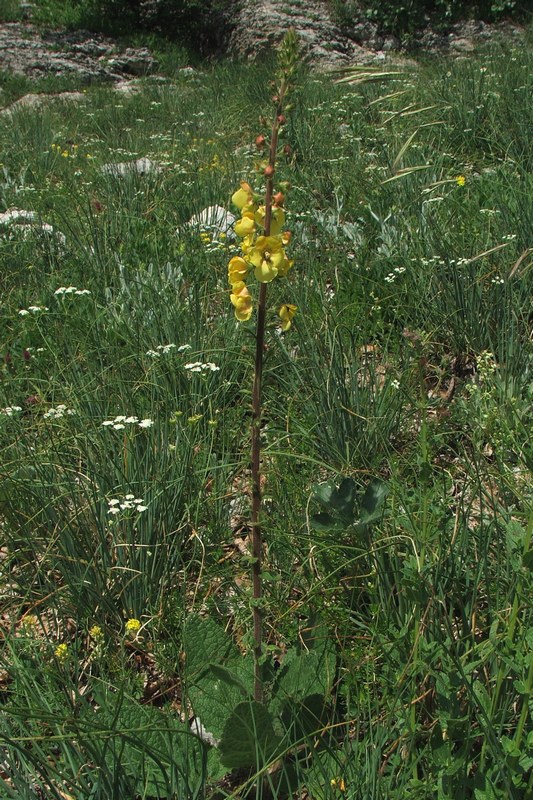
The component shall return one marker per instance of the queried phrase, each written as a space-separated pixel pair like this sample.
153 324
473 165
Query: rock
133 62
38 100
262 25
214 219
25 50
142 166
18 219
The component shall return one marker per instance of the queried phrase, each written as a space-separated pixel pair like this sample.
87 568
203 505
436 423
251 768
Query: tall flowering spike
262 246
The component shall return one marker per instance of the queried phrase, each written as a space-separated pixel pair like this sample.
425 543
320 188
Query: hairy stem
257 538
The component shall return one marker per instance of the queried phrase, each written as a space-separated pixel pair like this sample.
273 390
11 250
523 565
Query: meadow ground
405 381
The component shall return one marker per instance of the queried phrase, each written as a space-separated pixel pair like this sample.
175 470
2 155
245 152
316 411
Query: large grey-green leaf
205 642
248 738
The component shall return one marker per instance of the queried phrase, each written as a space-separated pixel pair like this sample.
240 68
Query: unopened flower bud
275 98
260 141
268 171
287 149
282 119
279 199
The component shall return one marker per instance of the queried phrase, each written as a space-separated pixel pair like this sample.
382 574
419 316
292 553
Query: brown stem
257 539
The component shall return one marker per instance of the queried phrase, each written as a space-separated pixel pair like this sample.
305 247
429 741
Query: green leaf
323 492
342 499
527 560
372 501
301 719
205 642
153 748
230 678
325 522
248 738
215 694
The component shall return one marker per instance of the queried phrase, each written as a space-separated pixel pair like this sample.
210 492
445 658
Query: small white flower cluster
499 281
71 290
127 503
10 410
59 411
197 366
120 422
32 310
163 349
391 277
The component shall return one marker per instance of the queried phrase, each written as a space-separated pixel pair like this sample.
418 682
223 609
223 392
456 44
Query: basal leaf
248 738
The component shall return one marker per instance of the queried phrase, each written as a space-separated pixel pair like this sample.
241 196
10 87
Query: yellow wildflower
133 626
286 313
243 196
338 783
460 180
267 256
96 633
61 653
242 301
277 220
245 225
237 269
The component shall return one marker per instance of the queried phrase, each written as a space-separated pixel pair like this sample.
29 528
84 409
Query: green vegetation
406 17
397 457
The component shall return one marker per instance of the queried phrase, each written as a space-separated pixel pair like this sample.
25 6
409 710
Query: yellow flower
460 180
61 653
285 267
133 626
338 783
286 313
245 225
237 270
277 220
242 301
243 196
267 257
96 633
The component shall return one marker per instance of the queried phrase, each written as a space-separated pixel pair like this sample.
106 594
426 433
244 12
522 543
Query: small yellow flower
241 301
133 626
194 419
267 257
243 196
460 180
286 313
237 270
277 220
29 622
245 225
338 783
96 633
61 653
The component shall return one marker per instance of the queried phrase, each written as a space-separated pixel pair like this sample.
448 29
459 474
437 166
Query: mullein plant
263 243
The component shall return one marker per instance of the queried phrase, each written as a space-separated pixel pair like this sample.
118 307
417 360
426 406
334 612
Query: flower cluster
59 411
133 626
262 254
164 349
71 290
197 366
127 503
9 411
120 422
32 310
